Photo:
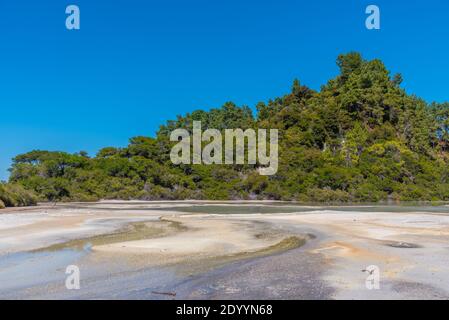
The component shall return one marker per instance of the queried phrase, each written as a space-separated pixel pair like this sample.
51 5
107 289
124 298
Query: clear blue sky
135 64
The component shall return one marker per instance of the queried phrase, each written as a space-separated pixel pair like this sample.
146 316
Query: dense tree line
360 138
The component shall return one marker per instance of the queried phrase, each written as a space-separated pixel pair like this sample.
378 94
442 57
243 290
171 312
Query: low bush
14 195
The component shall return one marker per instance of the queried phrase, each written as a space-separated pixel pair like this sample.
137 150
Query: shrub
14 195
328 195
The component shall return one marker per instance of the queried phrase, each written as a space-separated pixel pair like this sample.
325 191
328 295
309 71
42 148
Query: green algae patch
132 232
205 264
286 244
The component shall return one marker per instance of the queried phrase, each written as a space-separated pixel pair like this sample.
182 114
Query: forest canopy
361 138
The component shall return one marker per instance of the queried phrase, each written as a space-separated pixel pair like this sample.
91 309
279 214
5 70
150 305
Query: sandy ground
144 250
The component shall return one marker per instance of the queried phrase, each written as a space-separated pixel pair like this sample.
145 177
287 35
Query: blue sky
135 64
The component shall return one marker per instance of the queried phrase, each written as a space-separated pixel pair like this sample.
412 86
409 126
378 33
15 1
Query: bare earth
219 250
